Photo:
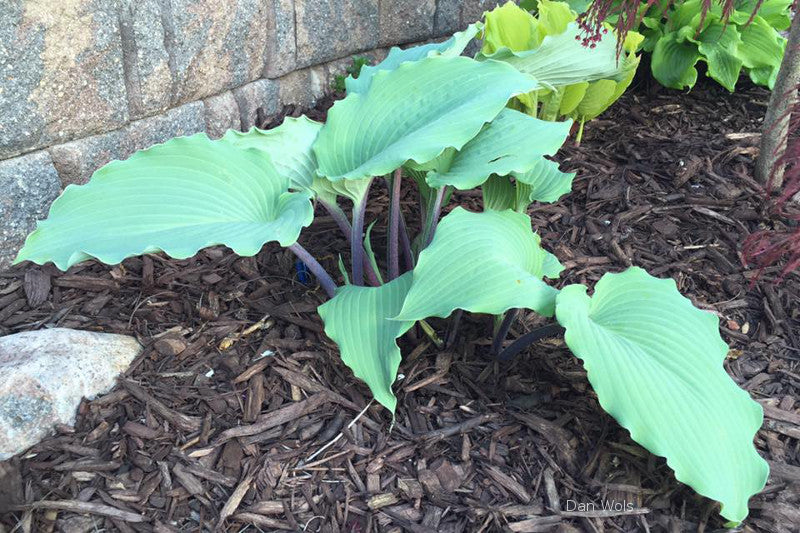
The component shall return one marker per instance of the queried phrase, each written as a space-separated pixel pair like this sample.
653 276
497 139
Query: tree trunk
776 122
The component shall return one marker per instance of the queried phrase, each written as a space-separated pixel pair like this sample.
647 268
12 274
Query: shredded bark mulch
239 415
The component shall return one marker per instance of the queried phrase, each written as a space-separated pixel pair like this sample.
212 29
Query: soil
239 415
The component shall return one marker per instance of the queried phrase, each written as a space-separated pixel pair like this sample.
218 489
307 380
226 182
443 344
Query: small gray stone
147 74
214 45
406 21
76 161
447 19
28 184
281 49
331 30
36 393
187 119
261 93
222 114
62 74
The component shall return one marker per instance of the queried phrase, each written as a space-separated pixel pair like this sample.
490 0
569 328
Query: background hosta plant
731 37
512 29
440 121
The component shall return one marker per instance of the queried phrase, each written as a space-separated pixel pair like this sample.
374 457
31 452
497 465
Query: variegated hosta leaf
414 112
359 320
288 146
177 197
486 262
512 142
655 362
450 48
563 60
543 183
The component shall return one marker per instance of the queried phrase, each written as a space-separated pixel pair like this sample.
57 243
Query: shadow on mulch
239 415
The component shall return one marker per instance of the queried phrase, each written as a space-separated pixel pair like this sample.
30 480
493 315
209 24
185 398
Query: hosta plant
730 36
511 29
441 121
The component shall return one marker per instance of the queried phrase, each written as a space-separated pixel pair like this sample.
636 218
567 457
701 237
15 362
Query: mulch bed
239 415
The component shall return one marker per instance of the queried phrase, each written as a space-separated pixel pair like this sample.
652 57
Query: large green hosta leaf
450 48
414 112
177 197
288 146
511 27
673 61
720 45
485 262
563 60
761 51
512 142
358 319
543 183
655 362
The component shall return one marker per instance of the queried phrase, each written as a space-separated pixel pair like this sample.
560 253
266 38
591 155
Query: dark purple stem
339 216
325 280
408 255
433 221
545 332
394 225
502 331
356 247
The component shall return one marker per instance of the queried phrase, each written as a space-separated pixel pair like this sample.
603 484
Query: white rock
44 374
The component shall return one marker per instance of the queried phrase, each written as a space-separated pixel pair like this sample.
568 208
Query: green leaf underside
546 183
512 142
499 193
450 48
414 112
563 60
358 320
485 262
655 362
177 197
288 146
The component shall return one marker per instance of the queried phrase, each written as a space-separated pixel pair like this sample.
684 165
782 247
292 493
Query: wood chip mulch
239 415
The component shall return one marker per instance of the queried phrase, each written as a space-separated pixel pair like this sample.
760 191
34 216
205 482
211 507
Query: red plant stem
338 215
325 280
394 225
356 247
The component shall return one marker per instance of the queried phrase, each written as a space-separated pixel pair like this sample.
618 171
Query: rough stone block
187 119
330 30
28 184
302 87
406 21
258 94
148 78
62 74
473 10
76 161
214 45
281 50
36 393
222 114
447 19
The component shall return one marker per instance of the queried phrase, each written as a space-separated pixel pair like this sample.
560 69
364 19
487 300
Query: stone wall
83 82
